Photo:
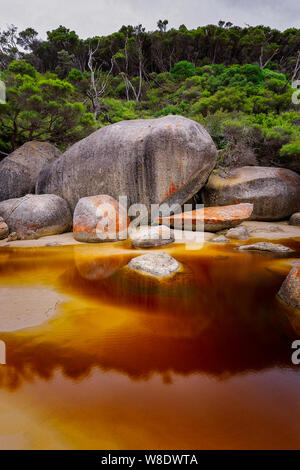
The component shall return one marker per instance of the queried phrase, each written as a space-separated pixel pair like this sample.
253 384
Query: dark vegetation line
236 81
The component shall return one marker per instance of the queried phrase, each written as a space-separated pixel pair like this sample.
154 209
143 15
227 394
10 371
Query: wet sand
25 307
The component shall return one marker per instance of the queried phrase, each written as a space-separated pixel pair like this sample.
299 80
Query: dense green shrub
115 110
183 69
22 67
75 76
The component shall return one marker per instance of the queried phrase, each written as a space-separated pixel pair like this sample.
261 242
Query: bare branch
98 83
297 67
264 64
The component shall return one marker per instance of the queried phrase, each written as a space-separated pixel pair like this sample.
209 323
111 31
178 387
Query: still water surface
201 361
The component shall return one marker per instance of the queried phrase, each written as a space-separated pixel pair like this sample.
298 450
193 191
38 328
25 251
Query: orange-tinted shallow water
201 361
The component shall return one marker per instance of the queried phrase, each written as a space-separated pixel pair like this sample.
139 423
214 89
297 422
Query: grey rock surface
150 161
295 219
264 246
34 216
20 169
150 237
12 237
290 289
238 233
155 264
220 239
4 230
100 219
275 192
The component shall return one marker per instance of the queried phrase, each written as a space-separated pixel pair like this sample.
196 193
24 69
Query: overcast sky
100 17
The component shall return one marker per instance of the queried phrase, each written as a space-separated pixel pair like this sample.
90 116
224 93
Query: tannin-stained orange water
199 361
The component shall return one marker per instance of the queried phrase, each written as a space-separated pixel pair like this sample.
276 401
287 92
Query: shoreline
258 231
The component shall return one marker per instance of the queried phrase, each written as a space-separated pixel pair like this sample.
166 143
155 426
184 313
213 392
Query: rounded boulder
155 264
34 216
20 169
295 219
274 192
100 219
151 161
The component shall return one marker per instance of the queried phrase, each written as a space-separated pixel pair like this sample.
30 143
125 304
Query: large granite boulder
290 289
274 192
150 161
20 169
34 216
100 219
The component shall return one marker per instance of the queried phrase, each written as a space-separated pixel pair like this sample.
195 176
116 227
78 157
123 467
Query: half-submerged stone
100 219
150 237
34 216
155 264
219 239
289 292
238 233
264 246
211 219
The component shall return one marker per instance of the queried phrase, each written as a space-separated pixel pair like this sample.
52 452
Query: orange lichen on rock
213 218
99 218
172 189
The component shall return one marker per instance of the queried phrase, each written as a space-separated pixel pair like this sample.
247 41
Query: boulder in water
155 264
264 246
289 292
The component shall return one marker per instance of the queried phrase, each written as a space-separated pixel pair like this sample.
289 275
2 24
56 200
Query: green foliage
183 69
115 110
181 108
42 108
235 81
230 99
291 150
75 76
22 67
